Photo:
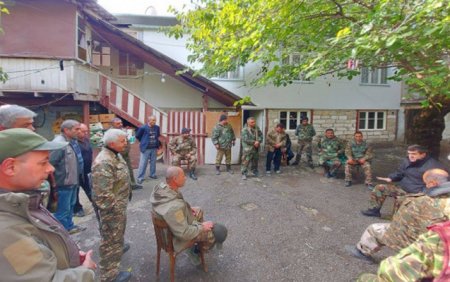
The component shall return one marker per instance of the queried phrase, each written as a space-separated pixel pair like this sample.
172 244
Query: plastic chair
164 240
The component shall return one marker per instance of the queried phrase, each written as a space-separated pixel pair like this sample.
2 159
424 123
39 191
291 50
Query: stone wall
344 124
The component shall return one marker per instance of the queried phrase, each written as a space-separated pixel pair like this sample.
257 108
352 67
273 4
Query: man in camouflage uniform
305 133
185 222
117 123
183 147
223 138
251 138
111 189
423 260
331 153
275 144
358 152
417 212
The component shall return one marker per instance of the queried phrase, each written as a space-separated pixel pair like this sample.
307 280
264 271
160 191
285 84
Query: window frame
130 69
82 51
374 76
287 122
228 76
103 56
292 59
366 120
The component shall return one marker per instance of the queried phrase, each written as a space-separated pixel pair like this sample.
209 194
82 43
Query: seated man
183 147
417 212
423 260
331 153
358 152
184 221
409 175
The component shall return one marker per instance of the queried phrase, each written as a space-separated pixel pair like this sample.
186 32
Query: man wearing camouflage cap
34 246
223 138
185 222
183 147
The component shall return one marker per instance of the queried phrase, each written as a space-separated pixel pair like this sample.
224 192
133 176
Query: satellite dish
150 10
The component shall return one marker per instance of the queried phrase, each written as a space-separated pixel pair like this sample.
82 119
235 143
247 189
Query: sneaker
79 213
123 276
255 173
348 183
154 177
126 247
278 171
76 228
194 258
244 177
375 212
268 173
136 187
139 181
353 251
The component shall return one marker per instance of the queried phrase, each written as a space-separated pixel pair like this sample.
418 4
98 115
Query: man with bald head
148 136
417 212
185 222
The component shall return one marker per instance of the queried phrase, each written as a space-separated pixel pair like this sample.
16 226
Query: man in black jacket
408 175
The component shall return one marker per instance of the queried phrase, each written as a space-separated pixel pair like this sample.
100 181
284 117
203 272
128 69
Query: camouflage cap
220 234
18 141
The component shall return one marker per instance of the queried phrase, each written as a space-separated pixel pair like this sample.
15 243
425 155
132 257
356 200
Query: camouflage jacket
357 151
110 181
418 211
305 132
172 207
223 135
248 138
330 148
181 146
422 259
273 138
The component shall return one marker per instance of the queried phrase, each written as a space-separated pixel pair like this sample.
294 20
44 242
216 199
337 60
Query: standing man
34 245
331 151
111 189
251 140
275 143
358 152
223 138
148 136
408 175
185 222
66 176
183 147
14 116
305 133
117 124
86 153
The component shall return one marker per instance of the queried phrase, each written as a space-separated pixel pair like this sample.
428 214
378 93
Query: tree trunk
428 125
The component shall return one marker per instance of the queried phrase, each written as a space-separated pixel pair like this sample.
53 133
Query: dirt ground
287 227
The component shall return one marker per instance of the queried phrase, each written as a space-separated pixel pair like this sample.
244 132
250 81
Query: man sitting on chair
185 222
183 147
358 152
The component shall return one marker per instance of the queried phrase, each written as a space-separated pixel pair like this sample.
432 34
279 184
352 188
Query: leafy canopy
411 35
3 10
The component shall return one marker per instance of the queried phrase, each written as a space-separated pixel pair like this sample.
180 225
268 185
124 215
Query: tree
4 10
410 35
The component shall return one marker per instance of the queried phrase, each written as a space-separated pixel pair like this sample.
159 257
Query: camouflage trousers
192 160
372 239
249 158
367 168
113 224
307 147
207 238
221 153
381 191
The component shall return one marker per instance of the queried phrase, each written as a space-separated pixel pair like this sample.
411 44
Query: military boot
375 212
348 183
192 174
217 169
229 170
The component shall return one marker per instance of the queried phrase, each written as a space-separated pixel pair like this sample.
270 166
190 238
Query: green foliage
410 35
4 10
246 100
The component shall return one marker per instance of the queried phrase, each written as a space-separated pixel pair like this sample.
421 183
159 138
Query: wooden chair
164 240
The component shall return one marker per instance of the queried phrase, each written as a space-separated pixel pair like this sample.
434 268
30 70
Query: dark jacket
86 152
409 175
142 135
66 165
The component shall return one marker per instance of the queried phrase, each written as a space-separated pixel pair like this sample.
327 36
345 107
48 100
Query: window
236 74
294 60
129 64
371 120
290 119
81 39
101 54
374 75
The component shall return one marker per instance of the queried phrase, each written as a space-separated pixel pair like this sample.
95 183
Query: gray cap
220 234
